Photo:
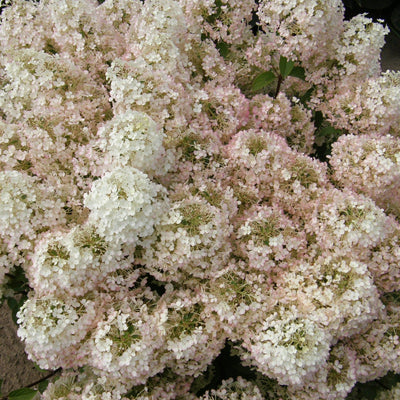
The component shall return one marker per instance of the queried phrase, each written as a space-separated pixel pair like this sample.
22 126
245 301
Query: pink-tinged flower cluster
369 164
365 107
285 117
161 206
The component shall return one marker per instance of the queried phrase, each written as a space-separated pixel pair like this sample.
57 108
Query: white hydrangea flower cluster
286 117
370 106
53 327
268 240
192 239
377 350
162 203
128 343
73 263
359 45
286 347
125 204
133 139
370 165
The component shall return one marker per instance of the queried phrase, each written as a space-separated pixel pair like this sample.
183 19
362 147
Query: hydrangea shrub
180 174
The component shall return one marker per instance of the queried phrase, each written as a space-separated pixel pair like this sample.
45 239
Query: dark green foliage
298 72
22 394
285 67
262 80
223 49
17 288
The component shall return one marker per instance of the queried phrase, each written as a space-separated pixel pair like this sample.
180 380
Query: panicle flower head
26 208
286 346
301 30
368 164
133 139
123 202
365 107
192 239
281 116
54 329
267 239
195 336
127 343
353 220
73 263
360 40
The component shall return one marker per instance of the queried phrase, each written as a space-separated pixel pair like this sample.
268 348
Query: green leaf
17 281
12 303
285 66
42 386
14 307
39 369
223 49
262 80
298 72
318 119
328 131
22 394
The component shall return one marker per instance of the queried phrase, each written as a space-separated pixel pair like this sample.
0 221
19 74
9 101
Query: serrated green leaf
42 386
298 72
22 394
285 66
223 49
262 80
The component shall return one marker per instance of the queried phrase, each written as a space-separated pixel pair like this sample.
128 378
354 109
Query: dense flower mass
176 175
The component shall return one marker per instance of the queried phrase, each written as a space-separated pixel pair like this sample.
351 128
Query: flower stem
278 86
